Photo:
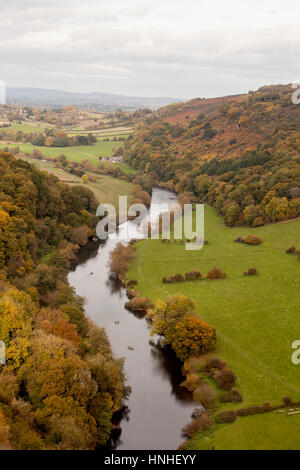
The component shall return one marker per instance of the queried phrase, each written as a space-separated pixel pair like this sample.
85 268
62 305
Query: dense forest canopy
239 153
61 384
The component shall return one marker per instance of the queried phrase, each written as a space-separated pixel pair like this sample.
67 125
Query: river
158 407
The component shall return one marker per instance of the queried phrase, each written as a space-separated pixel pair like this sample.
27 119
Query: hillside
96 100
238 153
61 383
249 119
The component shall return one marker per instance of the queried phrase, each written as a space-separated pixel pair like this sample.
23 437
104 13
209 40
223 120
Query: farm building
116 159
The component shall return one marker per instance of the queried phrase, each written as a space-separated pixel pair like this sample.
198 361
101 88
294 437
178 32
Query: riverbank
158 407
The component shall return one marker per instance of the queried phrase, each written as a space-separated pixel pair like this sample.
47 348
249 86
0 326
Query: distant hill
228 126
101 101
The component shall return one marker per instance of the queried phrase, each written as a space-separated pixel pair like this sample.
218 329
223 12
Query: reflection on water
114 286
158 407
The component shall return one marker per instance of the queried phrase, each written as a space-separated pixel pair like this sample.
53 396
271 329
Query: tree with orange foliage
192 337
189 336
63 329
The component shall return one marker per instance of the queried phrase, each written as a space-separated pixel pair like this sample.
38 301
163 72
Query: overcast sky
150 48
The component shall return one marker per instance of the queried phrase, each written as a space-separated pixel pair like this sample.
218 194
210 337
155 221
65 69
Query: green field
28 128
77 154
256 318
107 189
268 431
102 133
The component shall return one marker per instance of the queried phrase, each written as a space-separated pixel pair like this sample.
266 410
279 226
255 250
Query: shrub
253 240
266 407
178 278
202 423
172 279
132 282
258 222
233 396
193 275
291 250
254 410
191 382
214 363
216 273
168 280
197 412
251 272
227 416
193 364
139 304
120 259
205 394
225 378
287 401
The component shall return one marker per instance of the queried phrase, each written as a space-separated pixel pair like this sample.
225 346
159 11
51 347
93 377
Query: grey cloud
90 46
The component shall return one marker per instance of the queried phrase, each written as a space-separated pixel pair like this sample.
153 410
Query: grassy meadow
256 319
76 153
106 189
28 128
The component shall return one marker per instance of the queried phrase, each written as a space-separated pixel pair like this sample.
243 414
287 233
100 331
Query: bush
214 363
225 378
120 259
251 410
172 279
266 407
229 397
287 401
251 272
216 273
132 282
254 410
228 416
191 382
205 394
139 304
258 222
193 276
197 413
168 280
192 337
193 364
291 250
202 423
253 240
178 278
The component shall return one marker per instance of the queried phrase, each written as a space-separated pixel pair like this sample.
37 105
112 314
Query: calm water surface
158 407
